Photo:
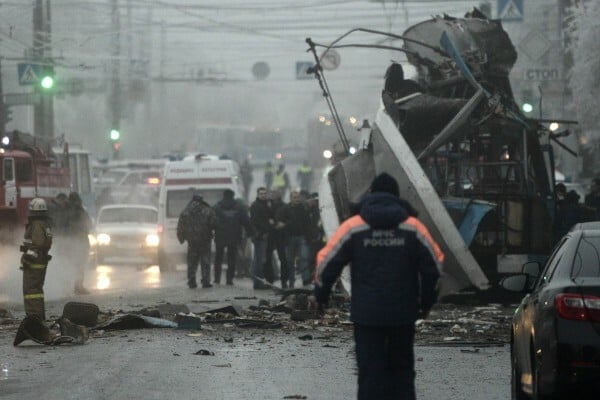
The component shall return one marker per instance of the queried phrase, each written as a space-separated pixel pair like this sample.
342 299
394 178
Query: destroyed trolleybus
477 170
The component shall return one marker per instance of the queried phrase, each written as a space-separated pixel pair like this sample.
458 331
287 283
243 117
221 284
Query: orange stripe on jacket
420 228
337 237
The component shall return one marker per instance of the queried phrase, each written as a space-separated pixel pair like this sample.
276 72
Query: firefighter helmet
37 207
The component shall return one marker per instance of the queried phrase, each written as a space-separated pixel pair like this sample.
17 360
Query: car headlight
152 240
103 239
92 240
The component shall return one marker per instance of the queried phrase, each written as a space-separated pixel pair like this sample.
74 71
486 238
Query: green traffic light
47 82
115 134
526 107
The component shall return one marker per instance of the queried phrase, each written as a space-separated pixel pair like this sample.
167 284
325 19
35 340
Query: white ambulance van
204 174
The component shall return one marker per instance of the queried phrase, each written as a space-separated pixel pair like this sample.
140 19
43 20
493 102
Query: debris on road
85 314
134 321
188 321
34 329
204 352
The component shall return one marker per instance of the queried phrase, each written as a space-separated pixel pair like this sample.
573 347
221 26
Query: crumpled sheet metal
390 153
135 321
34 329
469 34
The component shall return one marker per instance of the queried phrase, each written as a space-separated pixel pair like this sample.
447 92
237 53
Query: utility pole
145 51
115 87
48 99
4 111
38 55
43 113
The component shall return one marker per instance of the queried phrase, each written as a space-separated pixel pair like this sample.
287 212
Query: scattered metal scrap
135 321
454 325
33 328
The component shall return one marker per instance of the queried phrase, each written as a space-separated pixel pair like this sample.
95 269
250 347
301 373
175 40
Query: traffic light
115 140
529 103
115 135
5 115
47 77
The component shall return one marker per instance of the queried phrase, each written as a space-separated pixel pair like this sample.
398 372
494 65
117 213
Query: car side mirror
516 283
531 268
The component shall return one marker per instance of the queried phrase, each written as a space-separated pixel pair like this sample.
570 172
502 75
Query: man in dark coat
394 266
294 218
196 225
316 233
262 223
231 218
277 242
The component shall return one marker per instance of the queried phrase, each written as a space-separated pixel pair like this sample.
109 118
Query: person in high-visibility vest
281 180
304 176
35 248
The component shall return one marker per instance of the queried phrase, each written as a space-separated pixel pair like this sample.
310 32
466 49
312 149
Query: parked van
206 175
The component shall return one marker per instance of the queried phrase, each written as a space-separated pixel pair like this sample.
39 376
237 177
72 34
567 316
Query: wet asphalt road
247 363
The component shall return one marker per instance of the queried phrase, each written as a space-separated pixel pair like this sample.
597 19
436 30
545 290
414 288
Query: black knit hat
384 182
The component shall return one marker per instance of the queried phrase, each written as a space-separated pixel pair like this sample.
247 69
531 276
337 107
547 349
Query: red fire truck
28 169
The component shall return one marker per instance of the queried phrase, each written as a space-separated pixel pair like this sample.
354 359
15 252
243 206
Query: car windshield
128 215
112 177
178 199
587 259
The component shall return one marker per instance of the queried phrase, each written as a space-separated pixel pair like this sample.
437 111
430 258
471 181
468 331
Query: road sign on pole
301 68
29 73
510 10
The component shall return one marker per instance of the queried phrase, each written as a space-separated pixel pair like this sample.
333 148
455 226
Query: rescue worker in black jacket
232 216
395 266
196 225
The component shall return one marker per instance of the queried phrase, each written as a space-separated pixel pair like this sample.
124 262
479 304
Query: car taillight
578 307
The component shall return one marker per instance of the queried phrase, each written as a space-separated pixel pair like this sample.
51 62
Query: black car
555 338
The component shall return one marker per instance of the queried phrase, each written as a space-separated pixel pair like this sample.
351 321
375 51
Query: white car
127 233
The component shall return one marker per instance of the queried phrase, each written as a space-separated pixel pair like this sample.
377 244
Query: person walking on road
281 180
232 216
262 222
295 219
247 177
316 233
196 225
78 228
277 242
395 265
35 258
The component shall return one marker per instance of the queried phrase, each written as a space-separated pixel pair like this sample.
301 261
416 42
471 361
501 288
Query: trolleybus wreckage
478 171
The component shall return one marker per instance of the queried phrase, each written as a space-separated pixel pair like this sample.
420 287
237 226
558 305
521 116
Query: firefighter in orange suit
37 243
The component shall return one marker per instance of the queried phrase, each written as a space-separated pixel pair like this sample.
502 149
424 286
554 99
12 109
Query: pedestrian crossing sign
29 74
510 10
